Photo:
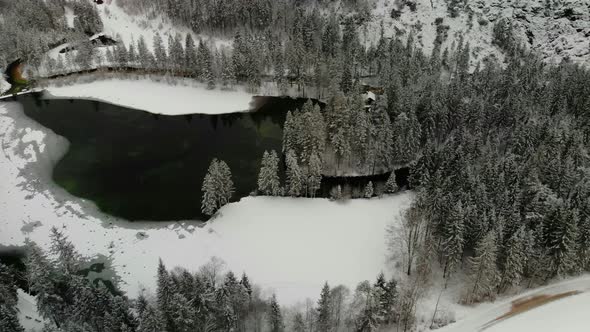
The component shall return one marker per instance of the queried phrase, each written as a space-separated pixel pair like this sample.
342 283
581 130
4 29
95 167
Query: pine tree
121 54
160 52
391 185
268 178
165 296
324 323
484 271
8 301
150 320
299 323
293 175
516 258
190 55
275 317
315 174
144 56
245 282
218 187
132 54
454 240
368 193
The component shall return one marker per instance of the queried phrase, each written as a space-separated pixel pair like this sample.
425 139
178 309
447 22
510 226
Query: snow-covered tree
218 187
368 193
391 185
294 179
324 322
484 275
314 175
299 323
268 178
275 318
160 55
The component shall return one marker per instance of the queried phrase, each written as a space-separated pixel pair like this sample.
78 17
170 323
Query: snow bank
157 97
290 246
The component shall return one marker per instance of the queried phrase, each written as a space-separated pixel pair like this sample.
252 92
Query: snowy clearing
287 245
157 97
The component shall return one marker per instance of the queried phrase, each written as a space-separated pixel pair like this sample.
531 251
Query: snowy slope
545 317
158 97
568 314
282 243
559 31
117 22
28 316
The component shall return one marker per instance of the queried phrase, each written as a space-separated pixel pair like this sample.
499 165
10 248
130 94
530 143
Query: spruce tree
368 193
299 323
391 185
315 174
275 318
293 174
160 52
484 275
268 178
218 187
516 258
324 323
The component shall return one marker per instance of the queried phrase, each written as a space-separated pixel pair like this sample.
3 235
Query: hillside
556 30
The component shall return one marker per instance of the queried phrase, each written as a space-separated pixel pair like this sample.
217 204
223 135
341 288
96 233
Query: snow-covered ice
290 246
158 97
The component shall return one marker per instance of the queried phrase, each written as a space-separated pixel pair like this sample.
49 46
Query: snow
28 316
569 313
563 314
70 16
117 22
158 97
290 246
554 37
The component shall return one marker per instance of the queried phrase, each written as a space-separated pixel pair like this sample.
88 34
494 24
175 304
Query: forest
497 150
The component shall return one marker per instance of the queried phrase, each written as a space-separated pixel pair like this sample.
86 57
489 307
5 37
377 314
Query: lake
142 166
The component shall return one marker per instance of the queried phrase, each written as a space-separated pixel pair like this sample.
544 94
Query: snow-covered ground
158 97
566 314
540 25
27 313
291 246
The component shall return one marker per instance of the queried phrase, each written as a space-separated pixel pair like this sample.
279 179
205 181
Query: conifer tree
516 258
190 55
314 174
368 193
484 271
391 185
160 52
299 323
268 178
275 317
324 323
218 187
454 240
293 175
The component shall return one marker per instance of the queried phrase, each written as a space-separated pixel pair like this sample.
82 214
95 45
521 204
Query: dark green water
140 166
